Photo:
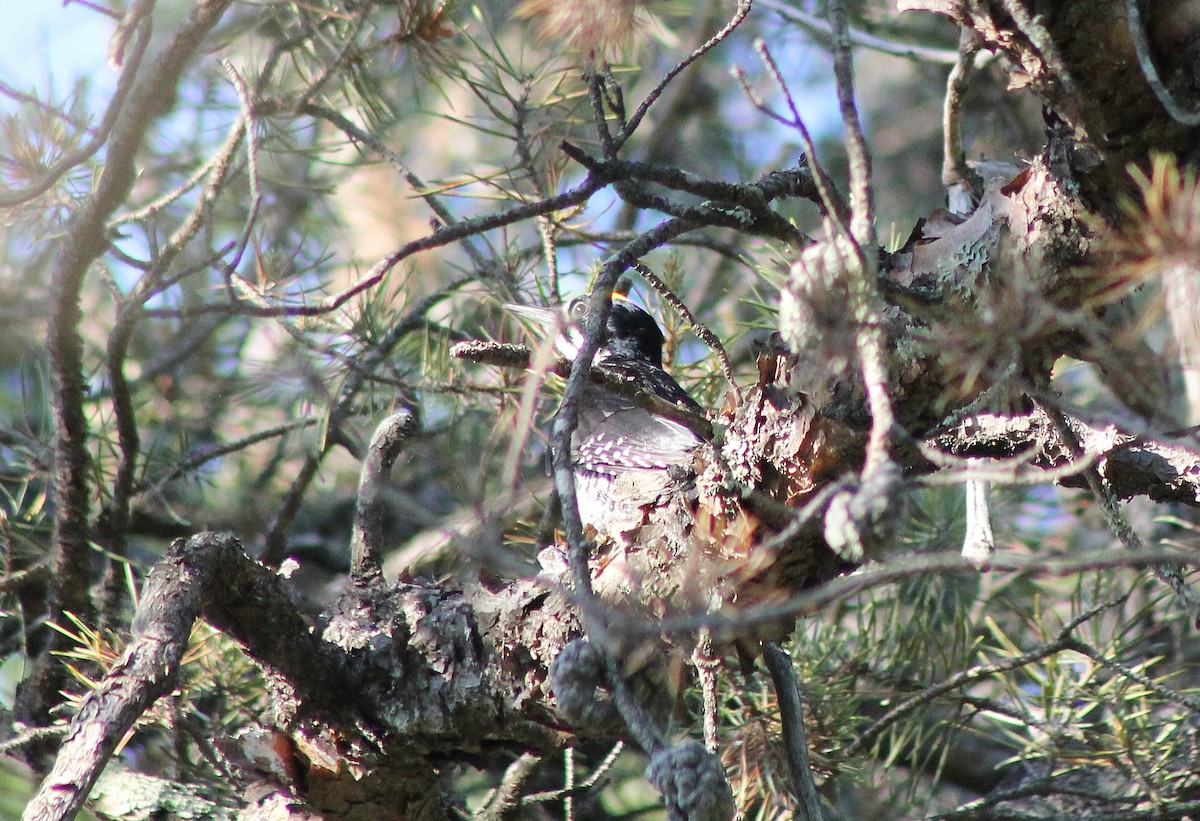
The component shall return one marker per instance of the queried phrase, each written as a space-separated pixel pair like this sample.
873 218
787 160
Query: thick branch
207 575
1130 465
370 510
85 240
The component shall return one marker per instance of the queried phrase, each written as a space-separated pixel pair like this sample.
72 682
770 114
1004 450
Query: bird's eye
578 308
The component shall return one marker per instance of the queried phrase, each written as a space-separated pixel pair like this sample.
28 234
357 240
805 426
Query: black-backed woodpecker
622 452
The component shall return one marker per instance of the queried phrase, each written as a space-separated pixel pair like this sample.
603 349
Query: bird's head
629 332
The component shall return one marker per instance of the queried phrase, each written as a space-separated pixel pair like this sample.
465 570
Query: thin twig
869 335
1141 45
1064 641
225 154
588 783
443 214
339 60
815 25
699 328
247 116
905 567
546 231
275 542
574 236
754 196
739 14
956 175
795 739
140 27
441 236
1041 40
370 512
209 454
1170 574
832 203
42 105
152 209
595 79
539 363
546 226
707 664
1173 696
569 783
741 207
862 211
31 735
156 279
127 28
642 727
114 522
506 798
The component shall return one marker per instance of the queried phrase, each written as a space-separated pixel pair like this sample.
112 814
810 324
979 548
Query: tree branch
207 575
85 240
366 540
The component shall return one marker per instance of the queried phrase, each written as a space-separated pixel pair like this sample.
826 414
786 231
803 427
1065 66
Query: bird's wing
615 434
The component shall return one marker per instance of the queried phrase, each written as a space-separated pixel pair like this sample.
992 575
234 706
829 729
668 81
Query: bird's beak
548 318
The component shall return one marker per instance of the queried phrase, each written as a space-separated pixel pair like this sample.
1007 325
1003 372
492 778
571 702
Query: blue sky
45 46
